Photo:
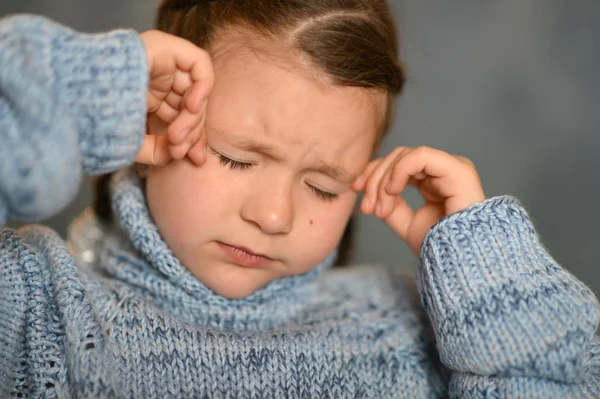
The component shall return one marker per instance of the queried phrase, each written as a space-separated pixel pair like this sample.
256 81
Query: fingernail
366 203
389 187
186 133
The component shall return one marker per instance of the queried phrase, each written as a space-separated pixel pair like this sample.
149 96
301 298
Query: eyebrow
337 172
247 144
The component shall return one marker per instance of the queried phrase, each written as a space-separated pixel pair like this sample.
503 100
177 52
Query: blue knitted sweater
128 320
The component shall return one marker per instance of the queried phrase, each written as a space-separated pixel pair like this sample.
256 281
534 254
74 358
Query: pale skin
278 201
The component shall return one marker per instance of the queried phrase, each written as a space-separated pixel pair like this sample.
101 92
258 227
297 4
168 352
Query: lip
243 256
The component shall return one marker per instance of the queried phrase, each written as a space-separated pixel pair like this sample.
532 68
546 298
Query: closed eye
324 195
232 164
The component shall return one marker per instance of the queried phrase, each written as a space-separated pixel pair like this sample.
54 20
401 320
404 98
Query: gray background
514 85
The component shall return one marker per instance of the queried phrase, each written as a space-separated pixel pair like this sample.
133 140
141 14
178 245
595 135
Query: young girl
208 275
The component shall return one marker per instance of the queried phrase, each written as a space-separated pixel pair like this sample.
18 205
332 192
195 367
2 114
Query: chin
235 292
234 283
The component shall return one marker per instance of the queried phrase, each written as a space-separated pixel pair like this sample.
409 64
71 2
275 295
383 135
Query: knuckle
423 150
466 161
399 149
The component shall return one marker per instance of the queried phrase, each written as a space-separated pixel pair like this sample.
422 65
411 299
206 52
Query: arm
69 103
509 321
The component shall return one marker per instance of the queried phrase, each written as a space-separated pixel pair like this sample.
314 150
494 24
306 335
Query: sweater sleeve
508 320
70 103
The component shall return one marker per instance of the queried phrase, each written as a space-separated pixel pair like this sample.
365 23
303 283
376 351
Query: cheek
329 223
319 232
184 199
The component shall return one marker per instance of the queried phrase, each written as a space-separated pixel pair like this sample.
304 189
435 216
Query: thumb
401 218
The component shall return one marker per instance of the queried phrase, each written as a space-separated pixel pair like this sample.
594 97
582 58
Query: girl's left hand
448 184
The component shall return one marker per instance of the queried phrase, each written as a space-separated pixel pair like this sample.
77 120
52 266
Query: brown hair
351 42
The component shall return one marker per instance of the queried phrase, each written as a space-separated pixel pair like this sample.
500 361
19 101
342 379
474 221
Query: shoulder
32 242
42 298
36 265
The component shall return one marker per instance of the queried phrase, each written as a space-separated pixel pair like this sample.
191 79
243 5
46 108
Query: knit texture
58 113
142 326
507 318
131 321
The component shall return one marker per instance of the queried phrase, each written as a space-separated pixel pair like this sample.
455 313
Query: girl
208 275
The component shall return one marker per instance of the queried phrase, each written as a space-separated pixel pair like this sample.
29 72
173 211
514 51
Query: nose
270 207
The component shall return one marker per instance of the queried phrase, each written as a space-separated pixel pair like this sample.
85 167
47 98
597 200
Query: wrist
103 80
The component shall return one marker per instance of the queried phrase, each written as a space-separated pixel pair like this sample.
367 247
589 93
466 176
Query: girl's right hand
181 78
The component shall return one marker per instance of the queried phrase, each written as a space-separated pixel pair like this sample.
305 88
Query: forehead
275 96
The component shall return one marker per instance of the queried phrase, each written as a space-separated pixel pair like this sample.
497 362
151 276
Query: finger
183 125
410 230
199 65
420 163
465 160
197 153
367 204
169 88
182 82
400 218
386 200
374 179
191 142
179 151
174 100
196 131
359 183
370 202
166 113
429 188
167 54
154 151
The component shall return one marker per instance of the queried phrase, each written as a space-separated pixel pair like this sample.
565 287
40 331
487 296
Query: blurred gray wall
514 85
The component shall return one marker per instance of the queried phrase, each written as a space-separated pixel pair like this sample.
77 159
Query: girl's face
274 195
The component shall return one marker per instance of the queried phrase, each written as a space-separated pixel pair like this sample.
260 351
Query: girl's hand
447 183
181 78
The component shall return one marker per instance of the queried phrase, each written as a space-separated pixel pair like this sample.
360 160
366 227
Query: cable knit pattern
131 321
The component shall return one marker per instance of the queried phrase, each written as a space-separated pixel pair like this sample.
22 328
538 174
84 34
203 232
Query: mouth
243 256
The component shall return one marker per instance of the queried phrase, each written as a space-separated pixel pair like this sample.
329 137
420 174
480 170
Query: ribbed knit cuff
497 301
105 79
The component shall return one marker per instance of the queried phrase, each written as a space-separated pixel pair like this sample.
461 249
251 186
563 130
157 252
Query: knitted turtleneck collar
137 255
